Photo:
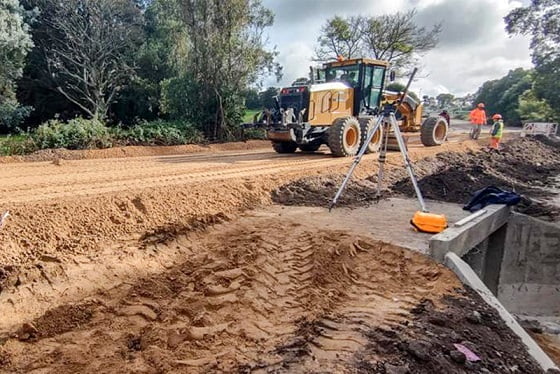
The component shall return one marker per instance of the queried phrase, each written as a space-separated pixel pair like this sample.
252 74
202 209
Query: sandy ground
108 265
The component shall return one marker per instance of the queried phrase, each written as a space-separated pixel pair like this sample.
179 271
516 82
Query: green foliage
531 108
394 37
12 115
226 54
252 101
84 50
15 42
502 95
254 134
267 97
160 133
78 133
16 145
445 100
540 20
340 37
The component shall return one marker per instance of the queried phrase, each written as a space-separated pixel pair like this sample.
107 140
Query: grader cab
339 108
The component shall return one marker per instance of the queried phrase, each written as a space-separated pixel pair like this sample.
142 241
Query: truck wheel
284 147
344 137
365 126
311 147
434 131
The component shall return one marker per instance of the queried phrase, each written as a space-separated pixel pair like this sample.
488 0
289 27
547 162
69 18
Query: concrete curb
461 239
468 277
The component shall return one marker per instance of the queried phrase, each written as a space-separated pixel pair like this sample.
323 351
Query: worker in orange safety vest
477 118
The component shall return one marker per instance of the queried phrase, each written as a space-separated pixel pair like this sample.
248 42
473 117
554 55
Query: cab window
374 85
346 74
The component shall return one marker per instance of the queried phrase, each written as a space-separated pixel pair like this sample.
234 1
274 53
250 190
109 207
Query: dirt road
82 211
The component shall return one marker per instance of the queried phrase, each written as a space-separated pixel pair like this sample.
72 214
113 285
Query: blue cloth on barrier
491 195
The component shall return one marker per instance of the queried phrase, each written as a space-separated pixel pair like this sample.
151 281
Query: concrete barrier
462 239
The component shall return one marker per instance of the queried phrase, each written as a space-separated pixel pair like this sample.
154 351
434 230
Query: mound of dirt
528 166
320 190
431 339
56 155
56 321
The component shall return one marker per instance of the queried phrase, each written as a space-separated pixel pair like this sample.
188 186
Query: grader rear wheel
366 125
434 131
344 137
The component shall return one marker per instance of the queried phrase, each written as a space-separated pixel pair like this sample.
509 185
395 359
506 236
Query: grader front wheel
434 131
344 137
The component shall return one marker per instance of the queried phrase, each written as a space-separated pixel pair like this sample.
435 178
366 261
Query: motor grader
339 107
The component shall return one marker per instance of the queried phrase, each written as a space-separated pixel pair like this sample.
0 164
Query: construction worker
445 114
477 118
497 131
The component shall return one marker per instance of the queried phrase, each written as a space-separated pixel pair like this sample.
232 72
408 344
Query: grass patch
249 114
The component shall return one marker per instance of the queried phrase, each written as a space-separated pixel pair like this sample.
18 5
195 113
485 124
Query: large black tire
344 137
434 131
311 147
367 124
284 147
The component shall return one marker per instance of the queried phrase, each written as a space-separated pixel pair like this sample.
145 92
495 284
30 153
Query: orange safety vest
478 116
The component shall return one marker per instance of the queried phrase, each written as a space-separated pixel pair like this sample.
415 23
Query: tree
161 56
87 47
540 21
399 87
267 97
15 43
502 95
252 100
531 108
396 38
340 37
445 100
226 54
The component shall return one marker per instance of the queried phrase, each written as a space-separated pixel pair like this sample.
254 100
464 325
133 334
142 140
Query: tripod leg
407 162
382 159
356 162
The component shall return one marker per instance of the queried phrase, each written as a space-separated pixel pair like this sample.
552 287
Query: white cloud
474 46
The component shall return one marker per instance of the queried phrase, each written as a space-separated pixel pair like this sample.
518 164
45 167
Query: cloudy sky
473 45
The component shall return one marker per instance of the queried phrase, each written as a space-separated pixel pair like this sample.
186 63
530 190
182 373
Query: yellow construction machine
338 108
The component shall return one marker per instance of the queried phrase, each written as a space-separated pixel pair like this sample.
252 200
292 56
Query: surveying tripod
386 121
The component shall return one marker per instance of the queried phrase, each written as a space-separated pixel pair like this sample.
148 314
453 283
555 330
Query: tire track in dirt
250 296
71 218
96 185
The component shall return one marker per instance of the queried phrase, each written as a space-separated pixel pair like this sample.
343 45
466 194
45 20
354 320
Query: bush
160 132
78 133
12 115
16 145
